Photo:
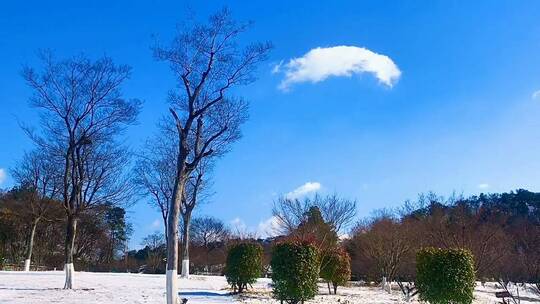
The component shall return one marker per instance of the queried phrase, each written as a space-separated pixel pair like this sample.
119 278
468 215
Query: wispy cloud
238 224
277 67
268 228
483 186
536 95
321 63
156 224
3 176
305 189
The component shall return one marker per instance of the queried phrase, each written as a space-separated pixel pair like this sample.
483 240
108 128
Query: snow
123 288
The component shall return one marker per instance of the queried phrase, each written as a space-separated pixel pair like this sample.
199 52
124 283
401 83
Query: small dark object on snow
503 295
184 300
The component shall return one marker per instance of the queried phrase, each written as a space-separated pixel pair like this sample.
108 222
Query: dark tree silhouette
337 212
210 233
39 184
208 63
82 114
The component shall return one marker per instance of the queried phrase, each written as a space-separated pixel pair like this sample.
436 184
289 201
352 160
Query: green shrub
244 265
295 271
336 268
445 276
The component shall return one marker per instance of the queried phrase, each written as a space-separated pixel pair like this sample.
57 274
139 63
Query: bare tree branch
82 114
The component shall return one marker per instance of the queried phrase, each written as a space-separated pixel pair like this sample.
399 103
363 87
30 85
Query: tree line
502 231
24 236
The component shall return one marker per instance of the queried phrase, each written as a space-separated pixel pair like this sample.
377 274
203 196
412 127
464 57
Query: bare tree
209 233
456 224
154 174
385 242
155 177
36 174
208 62
155 244
337 212
82 115
319 219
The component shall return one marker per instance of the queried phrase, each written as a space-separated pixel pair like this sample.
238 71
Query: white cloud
238 224
535 95
265 228
156 224
306 188
268 228
2 176
320 63
483 186
277 68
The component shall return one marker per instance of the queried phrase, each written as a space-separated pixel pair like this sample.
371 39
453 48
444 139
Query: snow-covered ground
100 288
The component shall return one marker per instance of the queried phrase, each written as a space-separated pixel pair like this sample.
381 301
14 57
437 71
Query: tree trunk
185 244
207 252
126 255
172 242
335 288
30 245
166 226
68 251
329 290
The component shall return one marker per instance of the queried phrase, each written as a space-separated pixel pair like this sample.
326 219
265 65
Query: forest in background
501 230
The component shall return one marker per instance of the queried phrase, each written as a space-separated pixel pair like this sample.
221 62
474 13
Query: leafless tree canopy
82 114
500 230
38 174
208 230
198 186
208 62
155 243
38 179
154 174
384 242
337 212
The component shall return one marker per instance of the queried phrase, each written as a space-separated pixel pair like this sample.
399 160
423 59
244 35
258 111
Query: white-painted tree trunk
185 269
186 218
408 296
70 272
386 286
30 245
70 243
27 265
172 287
172 246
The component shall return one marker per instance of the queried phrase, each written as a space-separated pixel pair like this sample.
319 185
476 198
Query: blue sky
461 116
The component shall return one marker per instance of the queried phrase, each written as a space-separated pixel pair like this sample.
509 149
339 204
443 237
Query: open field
119 288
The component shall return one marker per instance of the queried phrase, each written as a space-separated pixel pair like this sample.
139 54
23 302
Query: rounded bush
295 271
336 268
244 265
445 276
